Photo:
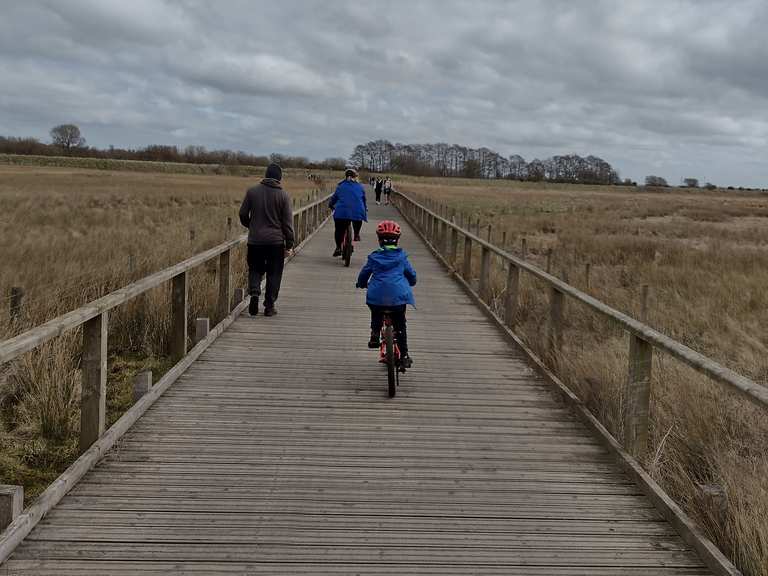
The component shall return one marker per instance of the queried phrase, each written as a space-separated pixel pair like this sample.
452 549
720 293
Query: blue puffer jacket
391 277
348 201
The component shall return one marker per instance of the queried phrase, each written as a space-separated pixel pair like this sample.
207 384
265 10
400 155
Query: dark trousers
269 260
378 195
341 227
397 313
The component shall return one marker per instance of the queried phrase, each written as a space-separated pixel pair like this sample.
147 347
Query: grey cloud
649 85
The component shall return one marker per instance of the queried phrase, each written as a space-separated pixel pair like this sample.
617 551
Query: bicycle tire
389 347
347 248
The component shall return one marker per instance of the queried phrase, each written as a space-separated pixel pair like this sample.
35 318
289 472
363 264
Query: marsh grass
704 256
70 236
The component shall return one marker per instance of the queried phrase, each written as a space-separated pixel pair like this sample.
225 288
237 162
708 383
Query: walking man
266 212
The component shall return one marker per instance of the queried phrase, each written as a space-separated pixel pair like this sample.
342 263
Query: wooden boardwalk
278 452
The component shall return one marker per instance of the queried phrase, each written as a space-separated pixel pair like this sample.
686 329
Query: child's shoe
405 361
253 306
374 342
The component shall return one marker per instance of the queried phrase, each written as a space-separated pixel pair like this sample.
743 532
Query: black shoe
270 311
374 341
253 306
337 252
406 361
357 238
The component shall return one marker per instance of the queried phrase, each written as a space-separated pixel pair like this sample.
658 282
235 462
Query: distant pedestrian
377 188
266 212
387 189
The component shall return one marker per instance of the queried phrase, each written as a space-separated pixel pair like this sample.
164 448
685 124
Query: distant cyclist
348 205
388 275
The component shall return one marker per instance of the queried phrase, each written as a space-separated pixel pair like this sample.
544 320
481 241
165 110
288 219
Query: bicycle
346 246
389 354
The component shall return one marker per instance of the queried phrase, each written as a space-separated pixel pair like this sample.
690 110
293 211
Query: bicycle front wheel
389 350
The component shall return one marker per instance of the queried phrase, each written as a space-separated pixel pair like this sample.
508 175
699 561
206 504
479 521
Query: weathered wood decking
279 453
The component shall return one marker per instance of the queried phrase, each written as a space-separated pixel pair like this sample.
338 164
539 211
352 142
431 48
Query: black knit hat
274 171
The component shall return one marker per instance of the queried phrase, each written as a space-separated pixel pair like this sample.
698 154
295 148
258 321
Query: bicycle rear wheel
389 347
346 250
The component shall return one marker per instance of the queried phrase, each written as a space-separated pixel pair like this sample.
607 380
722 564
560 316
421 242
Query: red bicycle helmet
388 229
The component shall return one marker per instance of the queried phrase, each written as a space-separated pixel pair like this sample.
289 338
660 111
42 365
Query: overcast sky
675 88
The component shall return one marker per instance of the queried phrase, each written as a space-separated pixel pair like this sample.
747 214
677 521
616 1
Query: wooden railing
444 236
94 440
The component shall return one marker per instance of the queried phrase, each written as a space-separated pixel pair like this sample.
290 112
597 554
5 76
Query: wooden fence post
445 244
638 396
225 284
238 297
179 308
11 504
549 260
202 327
142 383
524 248
644 303
555 325
229 226
587 271
454 243
16 303
513 291
485 274
490 232
467 258
93 400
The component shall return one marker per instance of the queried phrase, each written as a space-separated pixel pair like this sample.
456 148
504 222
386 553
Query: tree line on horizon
440 159
461 161
67 140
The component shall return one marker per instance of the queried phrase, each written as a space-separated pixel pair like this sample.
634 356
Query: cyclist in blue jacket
348 205
388 276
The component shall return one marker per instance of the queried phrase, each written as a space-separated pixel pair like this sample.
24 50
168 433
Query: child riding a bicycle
388 275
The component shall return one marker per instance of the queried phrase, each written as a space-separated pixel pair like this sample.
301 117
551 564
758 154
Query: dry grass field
704 257
72 235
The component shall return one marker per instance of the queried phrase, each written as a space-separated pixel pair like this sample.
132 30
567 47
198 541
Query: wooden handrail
642 336
31 339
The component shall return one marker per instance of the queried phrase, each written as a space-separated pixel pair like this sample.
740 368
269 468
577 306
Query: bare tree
67 136
691 182
655 181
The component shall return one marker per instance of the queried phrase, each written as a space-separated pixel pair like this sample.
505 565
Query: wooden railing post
513 291
225 283
202 328
638 396
93 400
11 504
179 308
445 245
16 302
454 243
555 325
467 258
142 383
238 297
485 274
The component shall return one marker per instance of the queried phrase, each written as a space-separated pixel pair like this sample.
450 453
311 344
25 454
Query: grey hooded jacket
266 212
